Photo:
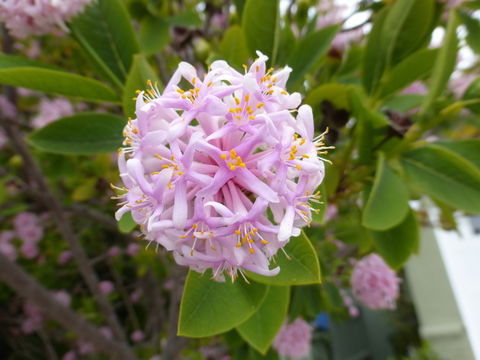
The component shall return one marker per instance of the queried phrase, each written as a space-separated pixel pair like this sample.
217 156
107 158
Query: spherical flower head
221 171
294 339
24 18
374 284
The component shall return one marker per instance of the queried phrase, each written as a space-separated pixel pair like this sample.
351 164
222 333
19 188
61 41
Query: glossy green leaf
387 203
287 42
261 26
140 72
444 175
233 48
210 307
105 32
468 149
335 93
444 64
126 223
17 71
301 267
413 68
404 102
83 133
154 34
262 327
308 51
397 244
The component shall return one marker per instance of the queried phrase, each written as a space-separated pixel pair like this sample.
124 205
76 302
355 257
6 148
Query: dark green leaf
415 67
17 71
105 32
189 19
300 268
444 175
140 72
261 26
209 307
473 93
335 93
154 34
473 28
397 244
387 204
468 149
444 64
286 44
83 133
308 51
233 48
404 102
262 327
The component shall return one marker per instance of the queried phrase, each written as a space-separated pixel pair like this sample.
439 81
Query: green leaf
16 71
473 93
233 48
209 307
397 244
286 43
444 64
261 26
404 102
83 133
189 19
105 32
308 51
140 72
387 204
262 327
473 30
126 223
444 175
337 94
154 35
468 149
301 267
415 67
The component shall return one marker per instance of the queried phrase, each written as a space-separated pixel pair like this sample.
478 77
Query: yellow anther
149 82
155 173
257 68
247 97
184 96
242 165
237 232
238 110
213 248
165 166
137 92
134 98
232 167
302 141
170 185
298 167
135 131
232 110
180 173
195 226
233 153
180 91
245 66
183 237
251 117
306 156
260 105
237 101
238 245
194 80
209 84
191 252
238 117
251 251
265 242
223 156
283 92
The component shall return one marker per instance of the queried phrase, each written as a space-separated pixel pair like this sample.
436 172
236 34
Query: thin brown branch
26 286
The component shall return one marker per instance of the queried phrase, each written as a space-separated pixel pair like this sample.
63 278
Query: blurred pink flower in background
63 297
50 110
374 284
38 17
29 250
64 257
33 320
6 246
294 339
71 355
114 251
106 287
416 87
137 336
133 249
460 84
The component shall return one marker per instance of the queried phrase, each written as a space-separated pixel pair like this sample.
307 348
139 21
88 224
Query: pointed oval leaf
308 51
387 204
397 244
233 48
261 26
105 32
261 328
140 72
209 307
469 149
444 175
80 134
301 267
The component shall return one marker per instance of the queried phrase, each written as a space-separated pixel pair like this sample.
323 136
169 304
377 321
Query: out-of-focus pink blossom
29 250
106 332
133 249
63 298
64 257
294 339
85 348
416 87
374 284
38 17
7 108
106 287
28 228
7 249
137 336
33 320
51 110
71 355
114 251
136 295
461 83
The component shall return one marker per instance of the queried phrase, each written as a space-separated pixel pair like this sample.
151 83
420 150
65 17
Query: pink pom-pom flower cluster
24 18
294 339
374 284
220 169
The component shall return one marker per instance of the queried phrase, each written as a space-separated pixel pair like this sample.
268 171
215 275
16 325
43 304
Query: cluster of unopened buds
222 170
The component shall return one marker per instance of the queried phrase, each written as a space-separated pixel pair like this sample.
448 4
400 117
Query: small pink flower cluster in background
206 163
24 18
294 339
374 284
348 302
51 110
